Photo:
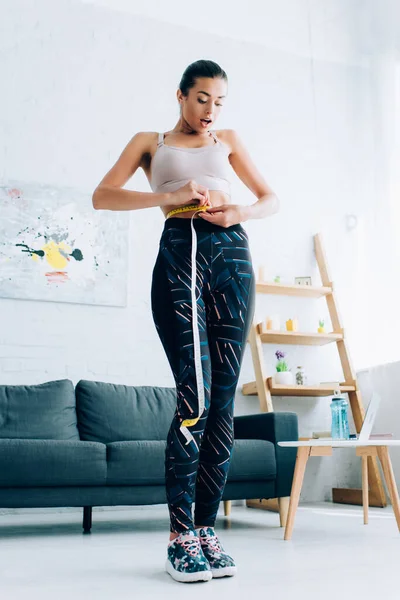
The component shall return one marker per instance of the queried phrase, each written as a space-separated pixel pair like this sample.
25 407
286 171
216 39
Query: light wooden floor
44 556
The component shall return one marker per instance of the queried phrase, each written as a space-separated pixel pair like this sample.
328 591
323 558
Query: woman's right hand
191 193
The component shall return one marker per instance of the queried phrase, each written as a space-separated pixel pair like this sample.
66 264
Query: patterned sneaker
186 561
221 563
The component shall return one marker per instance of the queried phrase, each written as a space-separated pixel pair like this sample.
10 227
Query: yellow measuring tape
196 336
181 209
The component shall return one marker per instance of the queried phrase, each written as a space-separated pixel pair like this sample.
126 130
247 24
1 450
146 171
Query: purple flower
280 355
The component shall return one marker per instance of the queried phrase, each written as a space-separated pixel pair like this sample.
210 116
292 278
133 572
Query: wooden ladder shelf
265 387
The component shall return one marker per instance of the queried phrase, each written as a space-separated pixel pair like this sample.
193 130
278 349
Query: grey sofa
101 444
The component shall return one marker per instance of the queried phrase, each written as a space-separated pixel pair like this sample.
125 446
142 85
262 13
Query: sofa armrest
273 427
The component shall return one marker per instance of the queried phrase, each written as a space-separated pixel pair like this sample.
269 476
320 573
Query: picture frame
302 281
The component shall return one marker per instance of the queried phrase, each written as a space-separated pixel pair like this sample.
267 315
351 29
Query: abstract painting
55 246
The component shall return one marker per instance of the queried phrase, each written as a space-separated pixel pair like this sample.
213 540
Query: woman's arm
267 203
109 195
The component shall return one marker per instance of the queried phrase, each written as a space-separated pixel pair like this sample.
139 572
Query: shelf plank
323 389
298 338
282 289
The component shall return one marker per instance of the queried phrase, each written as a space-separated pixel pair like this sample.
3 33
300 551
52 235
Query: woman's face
201 107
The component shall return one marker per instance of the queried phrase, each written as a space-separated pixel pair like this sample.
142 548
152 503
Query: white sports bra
173 167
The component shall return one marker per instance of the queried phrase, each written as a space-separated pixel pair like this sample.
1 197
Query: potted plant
283 375
321 328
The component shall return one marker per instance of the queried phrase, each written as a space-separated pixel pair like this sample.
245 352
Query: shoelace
213 542
192 547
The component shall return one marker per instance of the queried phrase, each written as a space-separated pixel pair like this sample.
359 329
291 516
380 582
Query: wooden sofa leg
283 509
87 519
227 507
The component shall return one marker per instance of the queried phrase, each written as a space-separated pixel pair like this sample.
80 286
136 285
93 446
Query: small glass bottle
301 378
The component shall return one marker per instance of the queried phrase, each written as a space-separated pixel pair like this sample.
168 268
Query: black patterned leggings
225 296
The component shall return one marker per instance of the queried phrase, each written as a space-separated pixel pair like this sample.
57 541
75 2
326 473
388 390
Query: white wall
83 77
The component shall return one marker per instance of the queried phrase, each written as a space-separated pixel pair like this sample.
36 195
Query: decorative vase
284 377
261 273
292 325
273 323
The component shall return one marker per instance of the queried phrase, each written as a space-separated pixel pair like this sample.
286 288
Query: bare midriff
216 199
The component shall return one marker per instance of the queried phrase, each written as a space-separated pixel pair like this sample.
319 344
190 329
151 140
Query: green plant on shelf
281 365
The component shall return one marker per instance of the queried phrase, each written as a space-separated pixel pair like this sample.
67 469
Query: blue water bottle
340 423
335 413
345 419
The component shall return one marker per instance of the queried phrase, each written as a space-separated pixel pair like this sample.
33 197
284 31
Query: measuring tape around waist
195 327
181 209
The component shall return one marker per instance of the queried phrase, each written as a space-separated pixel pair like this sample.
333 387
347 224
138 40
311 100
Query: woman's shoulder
227 137
146 136
144 141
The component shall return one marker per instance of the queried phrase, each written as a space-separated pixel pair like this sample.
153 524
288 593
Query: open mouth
205 122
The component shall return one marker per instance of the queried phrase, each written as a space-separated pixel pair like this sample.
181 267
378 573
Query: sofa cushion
44 411
109 412
142 462
252 460
51 463
136 463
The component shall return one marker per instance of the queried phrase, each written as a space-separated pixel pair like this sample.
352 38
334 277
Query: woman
203 263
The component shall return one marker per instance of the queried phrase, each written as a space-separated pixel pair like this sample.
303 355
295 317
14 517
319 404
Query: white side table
315 447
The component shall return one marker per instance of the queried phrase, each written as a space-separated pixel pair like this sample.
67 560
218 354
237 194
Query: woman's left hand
226 214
